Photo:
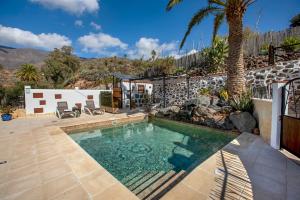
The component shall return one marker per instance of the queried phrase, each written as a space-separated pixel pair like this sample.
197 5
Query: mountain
13 58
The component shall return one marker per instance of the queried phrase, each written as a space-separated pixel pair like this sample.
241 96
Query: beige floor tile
200 181
115 192
57 186
181 192
75 193
97 181
83 167
14 187
23 172
35 193
47 156
22 162
56 172
52 163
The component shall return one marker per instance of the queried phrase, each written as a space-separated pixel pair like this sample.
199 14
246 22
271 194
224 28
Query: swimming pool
157 146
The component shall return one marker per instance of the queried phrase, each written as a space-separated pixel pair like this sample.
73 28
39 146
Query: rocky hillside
12 58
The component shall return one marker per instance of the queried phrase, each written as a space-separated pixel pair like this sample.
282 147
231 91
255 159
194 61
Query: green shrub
291 41
6 109
264 49
205 91
243 103
223 94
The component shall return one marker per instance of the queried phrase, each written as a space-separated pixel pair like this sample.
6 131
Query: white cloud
145 46
17 37
95 26
72 6
78 23
178 55
101 43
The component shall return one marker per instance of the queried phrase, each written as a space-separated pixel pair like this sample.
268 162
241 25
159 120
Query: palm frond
197 18
219 18
218 2
247 3
172 3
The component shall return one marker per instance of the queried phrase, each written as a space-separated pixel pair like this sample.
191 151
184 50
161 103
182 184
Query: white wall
263 113
72 96
148 86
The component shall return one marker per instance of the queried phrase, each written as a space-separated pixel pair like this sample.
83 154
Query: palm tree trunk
235 62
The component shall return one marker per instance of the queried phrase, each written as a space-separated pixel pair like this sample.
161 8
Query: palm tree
28 73
233 11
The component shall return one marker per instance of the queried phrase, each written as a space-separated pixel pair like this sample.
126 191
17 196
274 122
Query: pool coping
96 180
72 149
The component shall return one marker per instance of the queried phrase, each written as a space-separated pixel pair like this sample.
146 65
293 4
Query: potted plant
6 113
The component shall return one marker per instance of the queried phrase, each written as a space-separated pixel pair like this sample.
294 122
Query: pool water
154 146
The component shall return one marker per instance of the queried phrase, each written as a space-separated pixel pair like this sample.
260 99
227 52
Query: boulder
153 112
202 111
204 100
225 123
214 101
164 111
174 109
243 121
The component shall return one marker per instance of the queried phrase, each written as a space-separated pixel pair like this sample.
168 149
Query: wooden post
271 55
129 94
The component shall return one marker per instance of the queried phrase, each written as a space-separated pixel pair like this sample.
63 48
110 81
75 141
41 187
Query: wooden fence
254 43
252 46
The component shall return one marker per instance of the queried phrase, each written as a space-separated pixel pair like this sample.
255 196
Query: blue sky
117 27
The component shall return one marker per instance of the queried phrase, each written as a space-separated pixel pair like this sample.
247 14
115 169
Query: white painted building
138 89
44 101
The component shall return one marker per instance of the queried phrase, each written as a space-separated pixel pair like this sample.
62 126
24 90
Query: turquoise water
150 147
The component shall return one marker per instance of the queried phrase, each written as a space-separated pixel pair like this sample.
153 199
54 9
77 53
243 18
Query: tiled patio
44 163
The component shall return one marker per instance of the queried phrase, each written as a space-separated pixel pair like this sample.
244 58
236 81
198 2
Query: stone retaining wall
176 88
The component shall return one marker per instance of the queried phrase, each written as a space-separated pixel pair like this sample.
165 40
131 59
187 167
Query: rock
153 112
184 115
226 109
224 124
222 103
214 100
164 111
202 111
204 100
174 109
243 121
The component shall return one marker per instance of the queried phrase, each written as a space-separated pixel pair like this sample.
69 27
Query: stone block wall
176 88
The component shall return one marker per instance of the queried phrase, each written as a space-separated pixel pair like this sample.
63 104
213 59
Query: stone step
157 188
148 182
135 179
141 181
130 177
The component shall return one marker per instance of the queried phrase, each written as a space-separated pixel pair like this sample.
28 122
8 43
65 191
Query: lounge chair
62 110
91 109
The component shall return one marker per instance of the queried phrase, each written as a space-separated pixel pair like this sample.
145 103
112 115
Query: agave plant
233 12
243 102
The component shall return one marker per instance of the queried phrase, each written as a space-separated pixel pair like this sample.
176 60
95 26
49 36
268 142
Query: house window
141 89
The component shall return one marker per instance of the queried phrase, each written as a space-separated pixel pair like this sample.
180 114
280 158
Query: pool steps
152 185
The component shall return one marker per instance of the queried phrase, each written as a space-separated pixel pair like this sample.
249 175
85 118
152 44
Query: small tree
60 65
295 21
28 73
291 44
153 55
